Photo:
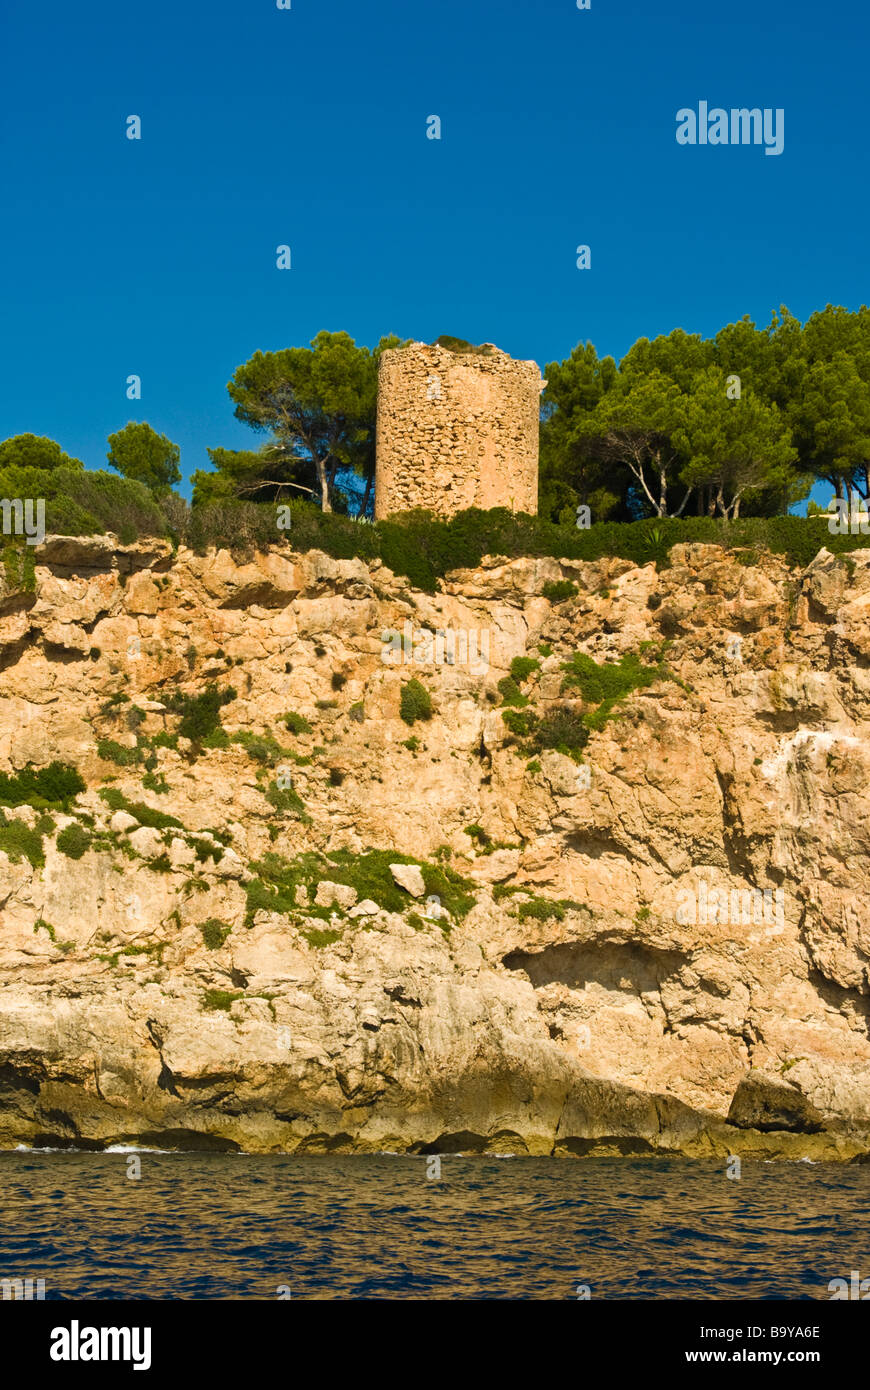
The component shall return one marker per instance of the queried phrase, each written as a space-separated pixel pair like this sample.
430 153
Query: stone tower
456 429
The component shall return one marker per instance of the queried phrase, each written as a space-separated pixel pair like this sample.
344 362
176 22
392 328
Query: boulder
409 877
334 894
364 909
769 1103
146 841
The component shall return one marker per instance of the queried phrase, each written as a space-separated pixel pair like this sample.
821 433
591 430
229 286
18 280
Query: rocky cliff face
661 946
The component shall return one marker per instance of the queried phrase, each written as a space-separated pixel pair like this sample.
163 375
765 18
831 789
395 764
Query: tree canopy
745 420
34 451
141 454
318 407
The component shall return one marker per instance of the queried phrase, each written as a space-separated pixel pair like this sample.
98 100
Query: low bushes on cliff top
416 544
87 502
424 547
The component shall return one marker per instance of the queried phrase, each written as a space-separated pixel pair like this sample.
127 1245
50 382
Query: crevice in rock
577 964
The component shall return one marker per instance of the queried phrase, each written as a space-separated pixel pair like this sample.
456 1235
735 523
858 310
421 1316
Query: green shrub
73 841
296 723
478 834
204 849
522 667
415 702
562 729
214 933
262 748
242 527
152 783
135 718
460 345
520 725
276 879
112 752
557 590
318 937
511 693
89 502
145 815
544 909
416 544
164 740
287 800
607 683
218 738
19 842
221 998
200 714
54 786
19 565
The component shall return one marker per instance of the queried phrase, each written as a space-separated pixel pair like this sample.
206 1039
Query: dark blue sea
235 1226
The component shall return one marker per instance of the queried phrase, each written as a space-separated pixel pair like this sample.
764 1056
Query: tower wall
456 430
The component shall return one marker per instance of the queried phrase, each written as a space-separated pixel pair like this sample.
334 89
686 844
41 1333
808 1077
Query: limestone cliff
202 947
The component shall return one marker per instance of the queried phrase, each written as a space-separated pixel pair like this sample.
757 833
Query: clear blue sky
308 127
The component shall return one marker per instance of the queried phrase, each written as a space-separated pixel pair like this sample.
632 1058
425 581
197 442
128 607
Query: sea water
238 1226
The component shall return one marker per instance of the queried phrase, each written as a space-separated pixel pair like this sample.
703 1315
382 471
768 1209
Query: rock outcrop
278 917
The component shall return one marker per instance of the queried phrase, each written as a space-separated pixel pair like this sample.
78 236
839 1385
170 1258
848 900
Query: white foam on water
138 1149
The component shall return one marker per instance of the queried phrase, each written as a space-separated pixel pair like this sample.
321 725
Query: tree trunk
679 511
366 495
320 465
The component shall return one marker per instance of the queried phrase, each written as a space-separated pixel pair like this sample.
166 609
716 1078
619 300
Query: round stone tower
456 429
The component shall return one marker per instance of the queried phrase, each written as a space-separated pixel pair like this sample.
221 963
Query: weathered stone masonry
456 430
